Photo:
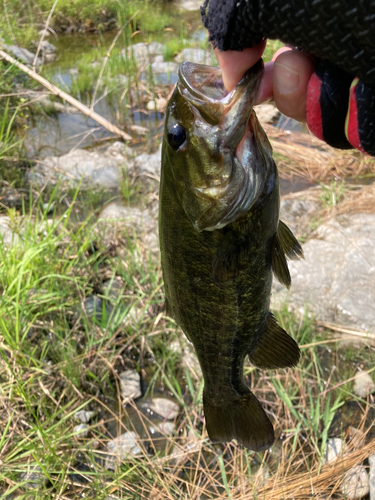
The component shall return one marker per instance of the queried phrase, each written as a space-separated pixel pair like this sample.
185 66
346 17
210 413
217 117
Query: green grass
56 358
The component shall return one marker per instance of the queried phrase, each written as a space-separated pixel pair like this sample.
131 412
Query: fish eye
176 136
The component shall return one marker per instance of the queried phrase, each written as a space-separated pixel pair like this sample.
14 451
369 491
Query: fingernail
287 80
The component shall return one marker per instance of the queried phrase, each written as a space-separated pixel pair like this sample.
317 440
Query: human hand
324 92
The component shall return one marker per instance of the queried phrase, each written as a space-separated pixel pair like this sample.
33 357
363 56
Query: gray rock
92 168
336 279
371 461
148 163
297 214
96 308
8 237
333 449
23 55
114 287
82 430
116 217
122 447
199 56
130 384
141 52
84 416
190 5
165 408
363 384
163 67
356 483
33 478
166 428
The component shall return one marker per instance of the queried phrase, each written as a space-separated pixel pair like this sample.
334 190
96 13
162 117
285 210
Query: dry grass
302 154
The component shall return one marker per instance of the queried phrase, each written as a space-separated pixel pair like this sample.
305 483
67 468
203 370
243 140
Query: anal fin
243 419
275 349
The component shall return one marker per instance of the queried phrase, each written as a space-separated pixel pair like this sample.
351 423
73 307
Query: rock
190 5
130 384
141 52
82 430
297 214
33 478
363 384
96 308
164 428
116 217
148 163
121 447
336 279
157 104
267 113
8 237
24 55
199 56
84 416
46 50
333 449
164 408
92 168
356 483
371 461
189 358
114 287
163 67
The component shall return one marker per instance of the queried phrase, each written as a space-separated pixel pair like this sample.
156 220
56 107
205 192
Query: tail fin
243 419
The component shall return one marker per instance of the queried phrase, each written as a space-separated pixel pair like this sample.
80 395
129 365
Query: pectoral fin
284 245
291 246
275 349
278 262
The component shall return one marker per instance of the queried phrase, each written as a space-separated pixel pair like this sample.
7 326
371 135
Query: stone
148 163
23 55
79 167
334 448
199 56
267 113
122 447
164 408
113 288
297 214
8 237
84 416
363 385
371 462
356 483
163 67
165 428
157 104
82 430
336 280
116 217
130 384
33 478
190 5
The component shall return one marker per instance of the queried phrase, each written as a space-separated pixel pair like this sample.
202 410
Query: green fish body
220 241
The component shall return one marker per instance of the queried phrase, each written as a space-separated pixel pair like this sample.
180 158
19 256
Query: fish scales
220 241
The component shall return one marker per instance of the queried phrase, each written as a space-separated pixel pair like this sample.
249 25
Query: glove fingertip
360 119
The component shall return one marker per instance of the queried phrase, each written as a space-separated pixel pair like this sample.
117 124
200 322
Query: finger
291 74
327 104
234 64
360 122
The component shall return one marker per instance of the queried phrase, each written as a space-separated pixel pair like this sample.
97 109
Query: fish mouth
203 87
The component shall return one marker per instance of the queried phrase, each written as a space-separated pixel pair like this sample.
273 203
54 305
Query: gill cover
219 154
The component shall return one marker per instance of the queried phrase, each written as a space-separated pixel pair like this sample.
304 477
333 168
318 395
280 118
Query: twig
68 98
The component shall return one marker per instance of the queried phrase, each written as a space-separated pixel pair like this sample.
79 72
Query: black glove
340 33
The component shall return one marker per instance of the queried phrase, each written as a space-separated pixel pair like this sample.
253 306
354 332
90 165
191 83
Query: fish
221 241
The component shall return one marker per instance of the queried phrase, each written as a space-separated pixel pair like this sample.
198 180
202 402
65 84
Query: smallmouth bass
220 241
